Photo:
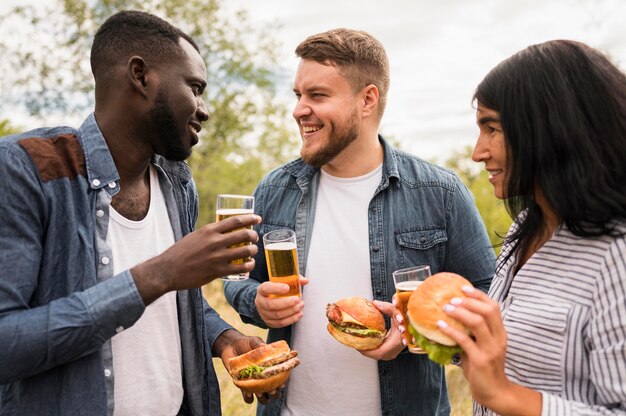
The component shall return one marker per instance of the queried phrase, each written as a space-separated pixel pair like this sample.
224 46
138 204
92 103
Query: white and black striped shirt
565 316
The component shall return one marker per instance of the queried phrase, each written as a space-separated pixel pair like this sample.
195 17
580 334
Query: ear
137 73
369 100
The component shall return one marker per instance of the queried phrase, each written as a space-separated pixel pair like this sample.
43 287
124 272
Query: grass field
233 404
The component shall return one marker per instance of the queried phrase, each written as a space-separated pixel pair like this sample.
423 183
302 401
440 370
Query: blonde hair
359 57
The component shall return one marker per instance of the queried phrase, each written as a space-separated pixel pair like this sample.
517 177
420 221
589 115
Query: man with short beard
100 269
360 209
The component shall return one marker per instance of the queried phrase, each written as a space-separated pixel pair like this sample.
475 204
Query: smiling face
178 109
326 112
491 148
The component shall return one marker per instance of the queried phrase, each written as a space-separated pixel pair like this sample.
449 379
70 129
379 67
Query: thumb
385 307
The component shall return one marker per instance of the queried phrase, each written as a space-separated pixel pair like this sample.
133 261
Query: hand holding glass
281 255
406 281
229 206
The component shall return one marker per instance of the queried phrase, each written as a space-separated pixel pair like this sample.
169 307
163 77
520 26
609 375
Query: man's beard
341 136
170 140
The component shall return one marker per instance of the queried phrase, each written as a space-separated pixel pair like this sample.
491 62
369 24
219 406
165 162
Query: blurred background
438 52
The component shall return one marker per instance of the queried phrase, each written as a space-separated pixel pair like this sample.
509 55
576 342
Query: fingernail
399 318
404 342
456 301
393 302
468 289
448 308
401 329
442 324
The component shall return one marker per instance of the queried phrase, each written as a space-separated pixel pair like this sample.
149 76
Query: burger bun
426 304
277 359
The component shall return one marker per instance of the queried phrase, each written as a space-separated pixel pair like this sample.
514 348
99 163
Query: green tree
6 128
46 72
492 210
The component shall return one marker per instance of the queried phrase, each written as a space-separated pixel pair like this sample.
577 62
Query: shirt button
95 182
119 329
99 213
107 372
378 292
105 260
375 248
112 185
423 240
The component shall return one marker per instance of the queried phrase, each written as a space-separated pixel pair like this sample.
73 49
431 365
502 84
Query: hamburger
264 368
356 322
425 308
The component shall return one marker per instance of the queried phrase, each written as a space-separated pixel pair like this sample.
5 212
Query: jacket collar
101 170
303 172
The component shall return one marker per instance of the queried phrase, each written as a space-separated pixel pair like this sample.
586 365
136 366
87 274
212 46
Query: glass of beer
281 255
229 206
405 281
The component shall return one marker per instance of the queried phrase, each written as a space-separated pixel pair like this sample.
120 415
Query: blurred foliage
46 71
492 210
6 128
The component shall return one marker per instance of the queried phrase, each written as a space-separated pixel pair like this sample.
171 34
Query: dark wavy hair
562 108
133 32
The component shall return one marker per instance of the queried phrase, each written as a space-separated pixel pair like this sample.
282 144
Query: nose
481 150
201 111
302 109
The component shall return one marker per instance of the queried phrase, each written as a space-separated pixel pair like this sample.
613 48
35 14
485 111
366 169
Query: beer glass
406 281
281 255
229 206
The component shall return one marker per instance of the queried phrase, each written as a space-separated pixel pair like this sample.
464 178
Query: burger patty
278 359
275 369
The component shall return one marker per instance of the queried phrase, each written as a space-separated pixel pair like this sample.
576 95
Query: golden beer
222 214
404 291
282 266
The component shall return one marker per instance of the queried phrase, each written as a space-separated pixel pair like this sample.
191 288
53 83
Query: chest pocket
422 247
537 342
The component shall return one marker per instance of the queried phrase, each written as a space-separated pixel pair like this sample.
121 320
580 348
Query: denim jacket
60 303
419 214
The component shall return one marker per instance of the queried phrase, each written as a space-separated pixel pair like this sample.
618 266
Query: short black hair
562 107
133 32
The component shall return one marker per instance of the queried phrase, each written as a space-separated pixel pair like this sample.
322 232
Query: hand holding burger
356 322
425 308
264 368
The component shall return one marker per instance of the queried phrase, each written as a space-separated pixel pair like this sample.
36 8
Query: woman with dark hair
550 338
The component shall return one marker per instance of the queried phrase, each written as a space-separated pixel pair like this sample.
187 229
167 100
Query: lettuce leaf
441 354
250 372
358 331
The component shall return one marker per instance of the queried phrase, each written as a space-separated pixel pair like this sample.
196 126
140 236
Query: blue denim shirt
60 303
420 214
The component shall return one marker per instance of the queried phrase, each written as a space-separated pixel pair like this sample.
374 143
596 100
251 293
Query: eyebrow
488 119
315 88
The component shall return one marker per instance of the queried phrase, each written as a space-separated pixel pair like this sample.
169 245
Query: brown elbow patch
56 157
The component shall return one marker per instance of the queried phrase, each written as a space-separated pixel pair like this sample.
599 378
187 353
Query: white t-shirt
147 356
333 379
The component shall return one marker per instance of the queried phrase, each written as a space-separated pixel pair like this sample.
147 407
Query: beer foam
234 211
282 245
408 286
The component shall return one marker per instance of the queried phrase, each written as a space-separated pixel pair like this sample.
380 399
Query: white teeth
493 173
194 129
310 129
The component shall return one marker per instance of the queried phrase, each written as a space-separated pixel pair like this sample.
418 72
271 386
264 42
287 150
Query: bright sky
439 50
